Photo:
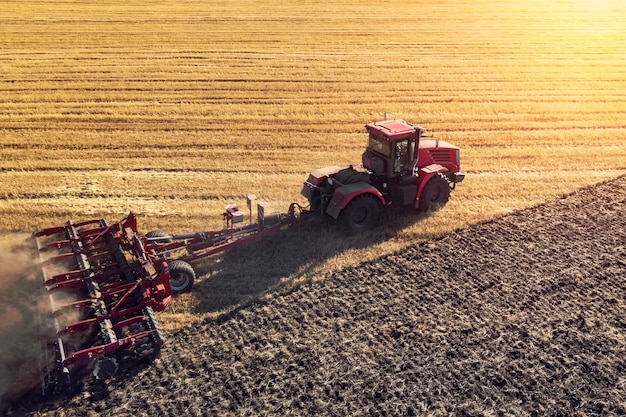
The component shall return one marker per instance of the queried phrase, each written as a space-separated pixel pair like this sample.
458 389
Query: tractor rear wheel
361 214
182 276
435 194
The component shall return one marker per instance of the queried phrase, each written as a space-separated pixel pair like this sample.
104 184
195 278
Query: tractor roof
393 129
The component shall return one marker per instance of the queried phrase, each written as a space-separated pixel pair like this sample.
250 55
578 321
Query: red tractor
400 171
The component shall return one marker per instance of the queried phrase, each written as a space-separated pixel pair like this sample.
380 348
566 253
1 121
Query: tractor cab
392 149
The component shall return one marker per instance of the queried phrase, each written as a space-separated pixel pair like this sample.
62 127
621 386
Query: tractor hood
439 152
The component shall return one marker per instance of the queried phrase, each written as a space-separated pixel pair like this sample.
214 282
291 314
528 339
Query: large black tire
435 194
182 276
159 233
361 214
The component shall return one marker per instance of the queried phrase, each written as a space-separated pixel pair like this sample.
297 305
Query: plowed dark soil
523 315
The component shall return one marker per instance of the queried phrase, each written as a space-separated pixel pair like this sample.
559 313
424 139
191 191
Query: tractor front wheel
435 194
361 214
182 276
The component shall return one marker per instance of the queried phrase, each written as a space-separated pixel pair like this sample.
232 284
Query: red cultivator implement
103 288
105 282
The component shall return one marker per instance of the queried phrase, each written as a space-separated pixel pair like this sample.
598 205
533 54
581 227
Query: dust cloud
20 314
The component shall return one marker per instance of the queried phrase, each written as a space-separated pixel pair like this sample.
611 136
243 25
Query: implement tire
361 214
182 276
159 233
435 194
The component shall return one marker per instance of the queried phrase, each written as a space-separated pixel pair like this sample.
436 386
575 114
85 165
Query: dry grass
175 109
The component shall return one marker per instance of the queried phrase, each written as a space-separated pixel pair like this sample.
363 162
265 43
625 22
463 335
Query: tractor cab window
401 162
380 145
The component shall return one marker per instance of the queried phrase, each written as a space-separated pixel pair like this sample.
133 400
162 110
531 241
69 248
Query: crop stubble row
216 78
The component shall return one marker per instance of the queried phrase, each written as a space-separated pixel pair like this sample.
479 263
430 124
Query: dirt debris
20 310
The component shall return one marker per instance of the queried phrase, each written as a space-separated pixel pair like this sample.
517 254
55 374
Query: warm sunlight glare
591 27
598 4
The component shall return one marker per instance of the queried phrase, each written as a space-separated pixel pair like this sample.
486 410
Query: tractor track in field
521 315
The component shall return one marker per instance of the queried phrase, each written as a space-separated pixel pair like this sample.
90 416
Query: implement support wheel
159 233
182 276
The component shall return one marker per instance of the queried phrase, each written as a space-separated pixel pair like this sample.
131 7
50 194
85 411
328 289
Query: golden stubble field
174 109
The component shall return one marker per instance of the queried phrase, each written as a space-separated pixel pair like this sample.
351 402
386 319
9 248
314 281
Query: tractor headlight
457 155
